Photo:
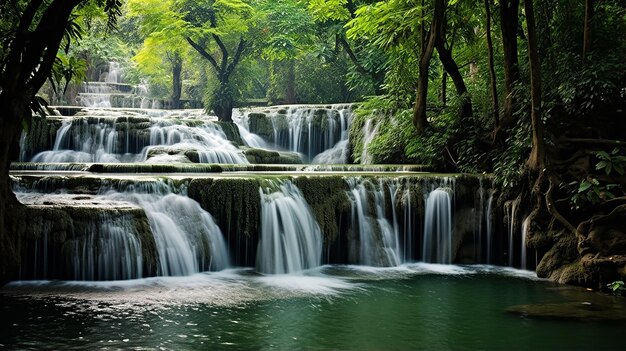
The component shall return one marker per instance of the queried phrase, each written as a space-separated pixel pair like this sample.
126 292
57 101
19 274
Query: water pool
414 306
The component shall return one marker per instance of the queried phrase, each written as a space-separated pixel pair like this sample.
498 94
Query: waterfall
320 134
111 251
511 213
121 137
338 154
489 225
186 236
369 132
438 227
243 124
525 225
378 240
408 224
103 248
291 240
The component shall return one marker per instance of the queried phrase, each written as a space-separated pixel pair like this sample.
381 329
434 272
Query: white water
369 132
187 239
110 91
111 251
438 227
320 134
121 138
378 240
291 240
511 213
489 225
523 254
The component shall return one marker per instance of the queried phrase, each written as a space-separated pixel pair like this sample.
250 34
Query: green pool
415 306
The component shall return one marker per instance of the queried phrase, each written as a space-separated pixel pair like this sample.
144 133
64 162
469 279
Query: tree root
554 211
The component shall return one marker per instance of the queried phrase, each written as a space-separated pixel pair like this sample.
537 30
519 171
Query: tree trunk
290 84
536 161
509 11
419 111
445 55
28 59
12 111
177 83
587 29
444 88
223 102
492 72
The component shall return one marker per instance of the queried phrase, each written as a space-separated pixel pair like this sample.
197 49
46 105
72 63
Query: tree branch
55 16
240 48
224 51
352 56
204 54
554 212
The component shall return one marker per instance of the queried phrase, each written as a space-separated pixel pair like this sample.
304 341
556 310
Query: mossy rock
260 124
58 229
262 156
235 205
328 199
232 132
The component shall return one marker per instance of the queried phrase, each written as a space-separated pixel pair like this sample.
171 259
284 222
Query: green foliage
611 162
388 144
508 164
591 191
432 148
329 10
617 287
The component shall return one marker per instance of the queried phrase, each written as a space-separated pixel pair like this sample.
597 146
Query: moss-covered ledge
50 236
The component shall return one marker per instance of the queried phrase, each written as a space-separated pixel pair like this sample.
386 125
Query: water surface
414 306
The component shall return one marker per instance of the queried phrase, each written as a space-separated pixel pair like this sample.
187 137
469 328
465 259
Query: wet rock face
76 238
235 205
261 156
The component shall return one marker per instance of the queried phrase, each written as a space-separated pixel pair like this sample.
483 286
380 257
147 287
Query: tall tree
587 28
419 110
290 30
492 72
509 21
444 50
219 30
536 161
338 14
28 57
163 45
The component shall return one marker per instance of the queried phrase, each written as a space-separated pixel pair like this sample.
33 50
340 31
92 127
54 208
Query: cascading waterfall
408 225
489 226
525 225
110 91
140 138
438 227
109 246
378 240
369 132
511 214
338 154
187 239
319 134
291 240
114 254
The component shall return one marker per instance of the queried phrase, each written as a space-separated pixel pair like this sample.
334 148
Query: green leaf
584 186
